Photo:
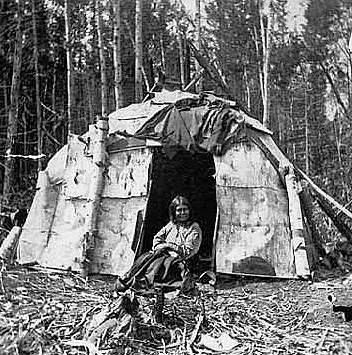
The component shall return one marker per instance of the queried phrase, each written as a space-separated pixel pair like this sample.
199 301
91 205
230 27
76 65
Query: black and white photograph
175 177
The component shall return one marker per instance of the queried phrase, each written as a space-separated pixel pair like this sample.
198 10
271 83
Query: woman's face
182 213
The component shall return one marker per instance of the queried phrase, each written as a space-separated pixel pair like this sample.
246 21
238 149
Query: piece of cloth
156 269
209 127
186 239
167 264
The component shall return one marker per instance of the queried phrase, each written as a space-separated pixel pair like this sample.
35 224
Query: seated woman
173 246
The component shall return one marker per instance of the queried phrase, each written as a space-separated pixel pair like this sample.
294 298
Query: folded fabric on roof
211 128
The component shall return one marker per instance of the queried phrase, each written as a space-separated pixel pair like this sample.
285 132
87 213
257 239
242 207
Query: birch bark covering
139 52
117 55
37 85
13 107
69 68
253 226
104 85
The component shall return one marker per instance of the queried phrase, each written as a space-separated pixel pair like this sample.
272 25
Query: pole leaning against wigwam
99 161
296 223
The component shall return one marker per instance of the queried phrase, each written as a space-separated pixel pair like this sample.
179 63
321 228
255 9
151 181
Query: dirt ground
44 312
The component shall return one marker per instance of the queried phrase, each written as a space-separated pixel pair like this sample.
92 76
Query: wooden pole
308 209
94 197
195 79
342 227
296 224
323 194
208 66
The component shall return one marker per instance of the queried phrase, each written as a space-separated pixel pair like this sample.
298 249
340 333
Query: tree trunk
53 89
266 34
25 144
349 69
306 115
70 124
335 89
37 85
294 155
139 52
117 55
248 91
144 74
187 51
13 109
338 133
199 84
259 66
104 83
5 99
162 53
181 55
90 85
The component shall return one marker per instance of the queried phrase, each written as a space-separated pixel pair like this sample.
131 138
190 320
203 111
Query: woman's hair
177 201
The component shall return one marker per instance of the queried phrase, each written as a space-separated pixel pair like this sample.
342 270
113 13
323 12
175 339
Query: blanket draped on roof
210 127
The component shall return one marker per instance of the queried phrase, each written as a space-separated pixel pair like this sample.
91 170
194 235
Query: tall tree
68 43
181 54
139 51
14 106
104 83
37 83
117 55
266 29
325 41
199 85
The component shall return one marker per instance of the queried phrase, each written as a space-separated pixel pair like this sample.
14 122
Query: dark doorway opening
187 174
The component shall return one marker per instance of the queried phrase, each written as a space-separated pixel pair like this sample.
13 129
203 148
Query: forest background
64 62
